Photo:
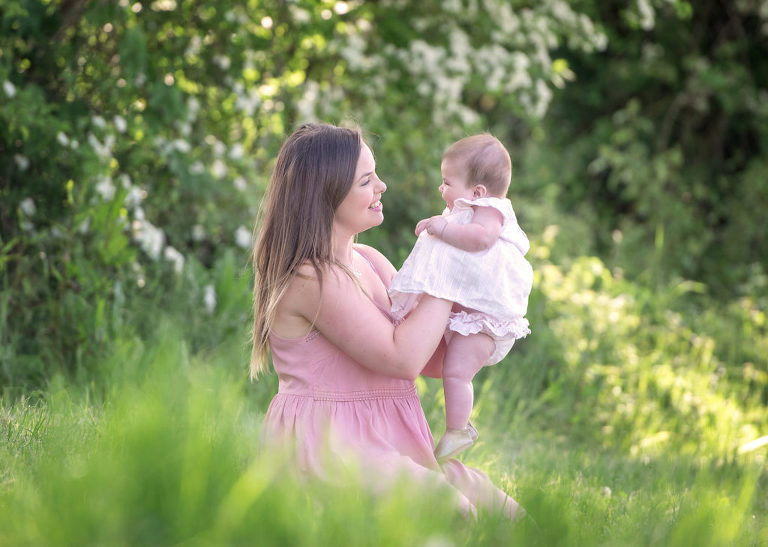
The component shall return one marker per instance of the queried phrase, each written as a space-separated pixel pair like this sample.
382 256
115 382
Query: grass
620 422
168 452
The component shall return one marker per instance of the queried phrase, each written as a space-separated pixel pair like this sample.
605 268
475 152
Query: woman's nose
382 186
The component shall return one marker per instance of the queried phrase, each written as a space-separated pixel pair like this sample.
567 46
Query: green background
136 140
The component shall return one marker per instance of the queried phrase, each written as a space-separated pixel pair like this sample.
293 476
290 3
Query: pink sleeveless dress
328 405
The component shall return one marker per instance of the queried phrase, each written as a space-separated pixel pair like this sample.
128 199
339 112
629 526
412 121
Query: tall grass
168 452
624 419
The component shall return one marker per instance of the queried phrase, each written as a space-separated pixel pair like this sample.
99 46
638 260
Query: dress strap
383 310
369 263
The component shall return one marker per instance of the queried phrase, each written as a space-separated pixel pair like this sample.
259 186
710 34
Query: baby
473 255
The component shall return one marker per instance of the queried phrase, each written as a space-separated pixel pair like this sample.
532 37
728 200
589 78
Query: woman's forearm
419 335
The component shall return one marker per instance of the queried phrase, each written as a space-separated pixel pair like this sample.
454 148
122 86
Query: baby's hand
433 225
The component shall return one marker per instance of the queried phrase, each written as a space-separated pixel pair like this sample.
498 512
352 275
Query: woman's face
455 184
361 208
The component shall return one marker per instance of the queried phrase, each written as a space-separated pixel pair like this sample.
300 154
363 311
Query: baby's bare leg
464 357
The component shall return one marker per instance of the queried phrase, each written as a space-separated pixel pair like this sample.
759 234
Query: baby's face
455 184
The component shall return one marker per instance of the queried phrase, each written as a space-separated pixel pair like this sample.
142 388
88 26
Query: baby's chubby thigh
466 355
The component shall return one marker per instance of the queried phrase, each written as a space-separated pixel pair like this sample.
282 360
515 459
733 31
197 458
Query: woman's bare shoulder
379 261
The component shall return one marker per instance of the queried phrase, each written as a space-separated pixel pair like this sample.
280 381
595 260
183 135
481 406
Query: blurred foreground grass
166 451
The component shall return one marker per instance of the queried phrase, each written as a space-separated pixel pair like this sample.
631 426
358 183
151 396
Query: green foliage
136 140
663 135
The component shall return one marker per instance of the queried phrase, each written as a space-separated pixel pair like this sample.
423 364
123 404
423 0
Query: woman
346 370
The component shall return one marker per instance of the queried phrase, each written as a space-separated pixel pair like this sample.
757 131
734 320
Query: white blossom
150 238
27 207
193 105
99 122
248 103
219 148
134 197
308 101
104 150
62 138
198 233
85 225
163 5
222 61
219 168
181 145
341 8
194 47
21 162
209 298
240 183
451 6
647 15
105 188
9 89
197 168
237 151
120 124
544 97
299 15
175 257
243 237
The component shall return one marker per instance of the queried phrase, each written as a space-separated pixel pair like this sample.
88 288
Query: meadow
136 143
161 446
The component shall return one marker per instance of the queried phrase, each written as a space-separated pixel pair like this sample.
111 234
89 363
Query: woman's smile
364 195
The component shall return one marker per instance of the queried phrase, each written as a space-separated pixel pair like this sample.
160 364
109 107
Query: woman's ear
479 191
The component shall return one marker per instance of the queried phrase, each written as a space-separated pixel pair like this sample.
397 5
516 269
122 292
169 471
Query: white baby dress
494 284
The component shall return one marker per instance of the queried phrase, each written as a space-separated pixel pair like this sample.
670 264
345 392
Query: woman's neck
342 249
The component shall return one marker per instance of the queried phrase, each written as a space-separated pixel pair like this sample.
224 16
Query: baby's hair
485 160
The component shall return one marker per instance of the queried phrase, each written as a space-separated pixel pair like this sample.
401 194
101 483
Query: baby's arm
475 236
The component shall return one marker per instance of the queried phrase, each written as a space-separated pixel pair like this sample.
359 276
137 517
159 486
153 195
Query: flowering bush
136 138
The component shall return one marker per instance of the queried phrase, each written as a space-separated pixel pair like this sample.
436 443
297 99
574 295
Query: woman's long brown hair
313 174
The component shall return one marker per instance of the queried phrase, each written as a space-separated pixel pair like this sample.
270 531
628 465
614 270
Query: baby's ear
480 191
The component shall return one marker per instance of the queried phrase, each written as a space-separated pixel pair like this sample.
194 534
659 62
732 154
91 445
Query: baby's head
475 167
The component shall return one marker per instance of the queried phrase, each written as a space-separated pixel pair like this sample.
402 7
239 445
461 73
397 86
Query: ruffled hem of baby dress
466 323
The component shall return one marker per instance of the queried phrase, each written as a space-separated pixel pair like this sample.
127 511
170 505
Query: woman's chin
375 221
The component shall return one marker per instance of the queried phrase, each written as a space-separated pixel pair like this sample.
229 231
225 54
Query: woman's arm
475 236
385 269
352 322
434 367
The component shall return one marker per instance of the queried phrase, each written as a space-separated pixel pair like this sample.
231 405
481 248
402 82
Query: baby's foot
454 441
